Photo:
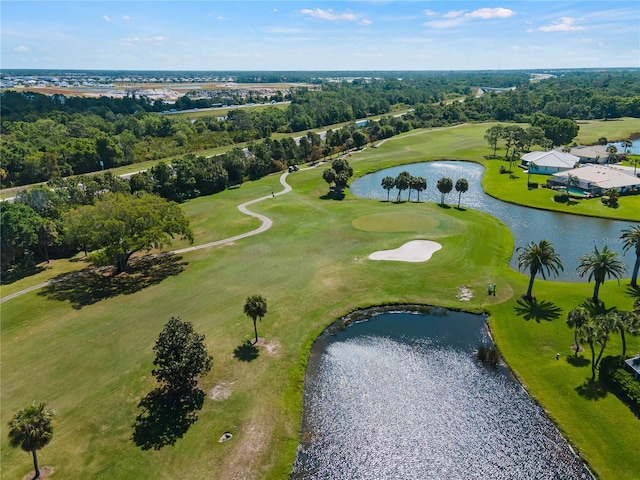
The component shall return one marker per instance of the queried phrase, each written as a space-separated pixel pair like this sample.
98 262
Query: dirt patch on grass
464 293
252 445
45 472
221 391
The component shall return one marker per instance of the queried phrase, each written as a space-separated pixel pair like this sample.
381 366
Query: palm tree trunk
35 464
575 339
634 275
624 341
255 328
596 291
530 289
459 195
593 361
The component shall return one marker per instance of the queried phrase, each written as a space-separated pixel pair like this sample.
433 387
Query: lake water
401 396
572 235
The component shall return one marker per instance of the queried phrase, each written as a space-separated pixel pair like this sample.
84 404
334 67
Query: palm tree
576 318
631 237
402 182
255 307
596 330
572 181
419 185
539 257
462 185
388 183
529 167
626 144
612 151
445 185
625 322
599 266
31 429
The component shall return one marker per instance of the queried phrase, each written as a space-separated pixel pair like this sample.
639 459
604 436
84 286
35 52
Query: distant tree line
44 137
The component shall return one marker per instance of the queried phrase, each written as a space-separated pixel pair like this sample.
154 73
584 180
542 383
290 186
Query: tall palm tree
625 322
600 265
612 152
596 331
31 429
255 307
462 185
576 318
419 185
539 257
402 183
445 185
388 183
626 144
572 181
631 237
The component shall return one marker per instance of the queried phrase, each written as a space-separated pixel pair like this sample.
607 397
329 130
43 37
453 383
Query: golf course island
85 344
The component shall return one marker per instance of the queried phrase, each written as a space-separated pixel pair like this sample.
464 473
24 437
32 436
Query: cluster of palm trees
593 325
599 265
406 181
592 322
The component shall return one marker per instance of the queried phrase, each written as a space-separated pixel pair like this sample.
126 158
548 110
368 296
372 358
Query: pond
572 235
402 395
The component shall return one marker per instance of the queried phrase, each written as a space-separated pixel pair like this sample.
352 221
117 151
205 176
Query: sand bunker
414 251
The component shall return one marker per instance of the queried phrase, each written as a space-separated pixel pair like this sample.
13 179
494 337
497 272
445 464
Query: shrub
561 197
620 381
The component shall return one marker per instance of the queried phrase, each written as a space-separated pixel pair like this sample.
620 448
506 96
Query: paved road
266 225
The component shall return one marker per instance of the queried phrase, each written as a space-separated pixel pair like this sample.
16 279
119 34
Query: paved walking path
266 225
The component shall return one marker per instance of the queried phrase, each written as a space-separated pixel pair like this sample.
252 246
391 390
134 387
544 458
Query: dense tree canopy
120 225
181 356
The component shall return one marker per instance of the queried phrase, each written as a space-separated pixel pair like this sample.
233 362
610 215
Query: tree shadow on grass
578 361
19 273
89 286
333 195
592 390
166 416
531 309
246 352
444 205
633 292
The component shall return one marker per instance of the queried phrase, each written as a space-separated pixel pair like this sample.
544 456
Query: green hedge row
620 381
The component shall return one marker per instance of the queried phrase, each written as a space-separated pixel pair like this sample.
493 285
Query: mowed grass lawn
90 358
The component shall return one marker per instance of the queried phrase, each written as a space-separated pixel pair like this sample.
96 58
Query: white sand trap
413 251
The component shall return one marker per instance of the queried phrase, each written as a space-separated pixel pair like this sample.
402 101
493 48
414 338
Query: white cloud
430 13
21 49
453 14
106 18
487 13
564 24
126 17
365 21
329 15
132 40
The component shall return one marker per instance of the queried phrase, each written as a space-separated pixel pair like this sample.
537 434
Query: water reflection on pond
401 396
572 235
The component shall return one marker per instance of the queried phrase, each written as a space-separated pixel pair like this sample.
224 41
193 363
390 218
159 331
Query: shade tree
181 356
120 225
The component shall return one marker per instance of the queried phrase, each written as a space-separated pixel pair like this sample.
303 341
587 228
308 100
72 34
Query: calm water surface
572 235
401 396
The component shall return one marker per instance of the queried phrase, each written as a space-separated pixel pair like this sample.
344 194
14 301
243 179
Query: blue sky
313 35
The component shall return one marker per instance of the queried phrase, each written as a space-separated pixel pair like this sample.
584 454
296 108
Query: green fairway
86 350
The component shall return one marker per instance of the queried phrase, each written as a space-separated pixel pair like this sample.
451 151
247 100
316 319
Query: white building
548 163
598 178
